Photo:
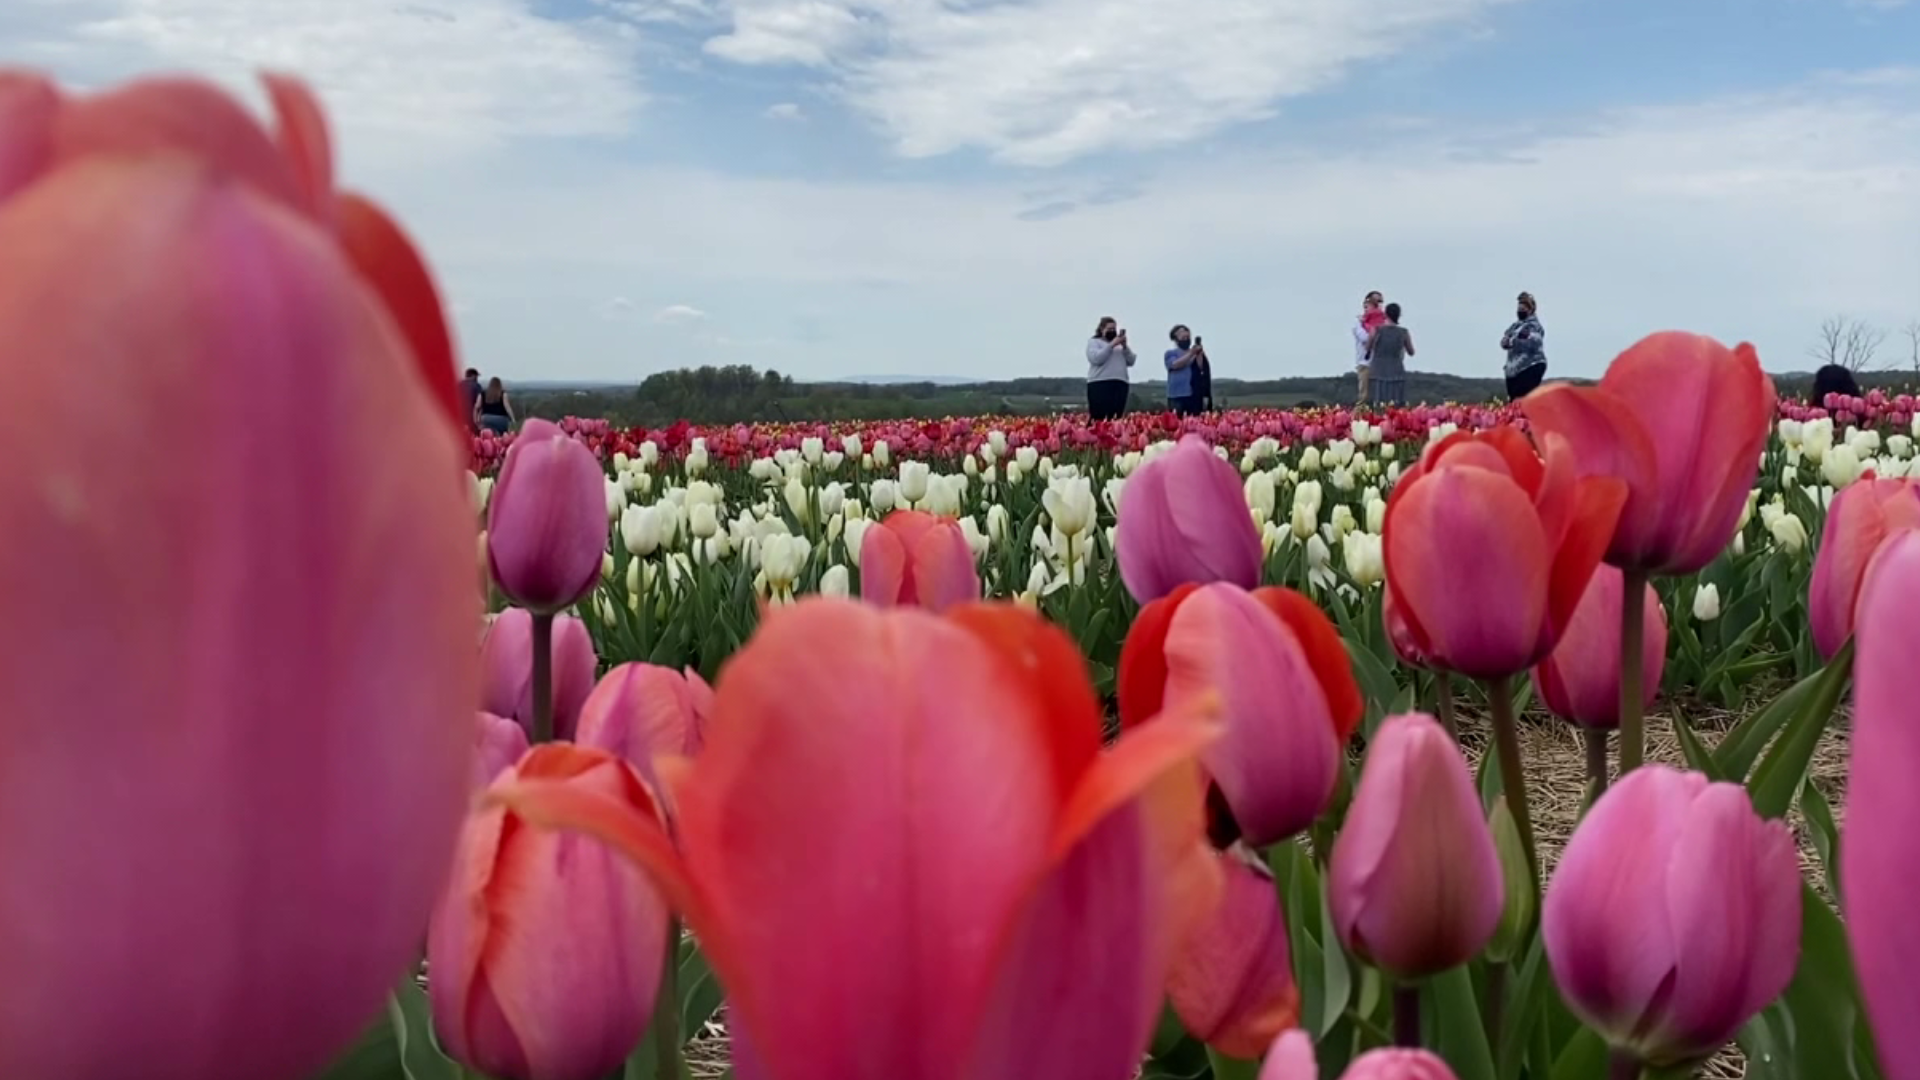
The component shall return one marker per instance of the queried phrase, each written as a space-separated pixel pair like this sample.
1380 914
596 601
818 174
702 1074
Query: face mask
1110 334
1519 313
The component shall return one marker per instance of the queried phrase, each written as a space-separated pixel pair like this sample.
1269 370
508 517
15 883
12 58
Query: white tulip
650 453
1842 466
850 445
913 481
1069 502
1363 555
812 449
640 530
1706 603
856 533
798 501
1789 532
997 441
1900 446
882 456
1343 522
997 522
1310 460
943 495
836 581
1303 523
616 501
1376 515
833 498
977 541
884 495
1260 496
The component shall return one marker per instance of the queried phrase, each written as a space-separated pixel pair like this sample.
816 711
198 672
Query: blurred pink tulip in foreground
913 558
1861 516
1292 1059
239 738
1674 914
1184 518
1232 983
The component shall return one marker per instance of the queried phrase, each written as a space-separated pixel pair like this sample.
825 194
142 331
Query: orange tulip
1682 419
939 875
1862 515
1232 983
1287 694
1488 548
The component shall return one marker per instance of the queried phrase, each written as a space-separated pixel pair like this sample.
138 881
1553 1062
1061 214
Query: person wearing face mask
1369 319
1186 362
1526 345
1108 358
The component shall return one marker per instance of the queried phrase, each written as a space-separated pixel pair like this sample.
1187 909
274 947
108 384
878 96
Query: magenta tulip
1414 880
1580 682
640 712
1292 1059
1674 914
1184 518
547 948
1860 517
1882 841
1232 982
547 520
506 673
236 698
497 743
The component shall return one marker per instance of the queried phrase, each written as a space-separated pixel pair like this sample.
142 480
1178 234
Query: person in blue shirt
1183 363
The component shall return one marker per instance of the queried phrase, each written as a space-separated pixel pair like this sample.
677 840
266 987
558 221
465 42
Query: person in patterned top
1526 345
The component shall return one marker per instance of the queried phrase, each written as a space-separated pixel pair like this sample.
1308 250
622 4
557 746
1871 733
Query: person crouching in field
493 411
1108 358
1388 347
1370 317
1184 362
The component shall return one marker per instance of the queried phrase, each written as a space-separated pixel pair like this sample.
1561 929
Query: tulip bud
1580 682
914 558
1516 880
506 662
546 523
1291 1058
640 530
1706 603
1414 880
1232 982
1674 915
1789 532
835 581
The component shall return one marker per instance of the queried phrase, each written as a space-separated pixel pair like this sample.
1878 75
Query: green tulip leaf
1817 1028
1783 770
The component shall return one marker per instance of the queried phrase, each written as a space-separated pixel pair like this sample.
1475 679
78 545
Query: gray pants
1390 390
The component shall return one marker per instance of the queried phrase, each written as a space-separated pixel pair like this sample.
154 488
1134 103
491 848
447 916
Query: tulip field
974 749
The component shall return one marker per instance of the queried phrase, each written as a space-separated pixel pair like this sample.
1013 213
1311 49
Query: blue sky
961 187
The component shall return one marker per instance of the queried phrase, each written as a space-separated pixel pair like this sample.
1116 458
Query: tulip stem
1513 776
1633 627
667 1036
1596 739
542 679
1443 703
1623 1066
1406 1015
1229 1068
1496 1000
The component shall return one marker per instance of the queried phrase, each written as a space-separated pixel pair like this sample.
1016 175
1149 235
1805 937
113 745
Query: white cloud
785 110
679 314
1052 80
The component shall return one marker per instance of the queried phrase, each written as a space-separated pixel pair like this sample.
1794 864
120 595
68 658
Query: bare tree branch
1912 330
1850 343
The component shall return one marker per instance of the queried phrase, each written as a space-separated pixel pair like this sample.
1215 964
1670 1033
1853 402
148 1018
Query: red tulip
914 558
547 520
547 948
1882 841
506 668
238 747
1488 548
939 876
1580 682
1674 914
498 743
1414 880
1681 419
1232 982
1184 519
1278 680
1292 1059
1860 517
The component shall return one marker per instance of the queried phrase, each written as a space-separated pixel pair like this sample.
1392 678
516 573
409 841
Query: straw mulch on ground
1555 759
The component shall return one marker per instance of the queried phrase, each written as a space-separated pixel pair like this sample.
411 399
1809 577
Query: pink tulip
1580 682
1682 419
507 669
1860 517
547 948
1674 914
1882 840
913 558
1414 879
1488 548
237 748
640 712
1292 1059
547 520
1232 982
497 743
1277 762
1184 518
938 876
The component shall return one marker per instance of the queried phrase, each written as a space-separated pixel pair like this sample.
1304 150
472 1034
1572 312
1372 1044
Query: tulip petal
1580 682
28 106
1232 982
1732 891
1600 428
1278 761
1882 841
1055 671
1860 517
1441 536
1141 681
302 137
1615 870
1326 653
498 743
1128 877
391 265
1291 1058
640 712
943 569
832 751
1597 501
885 579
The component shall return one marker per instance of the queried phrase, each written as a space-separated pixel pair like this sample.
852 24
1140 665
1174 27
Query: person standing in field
1185 362
1370 317
1108 358
470 397
1388 346
493 411
1526 345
